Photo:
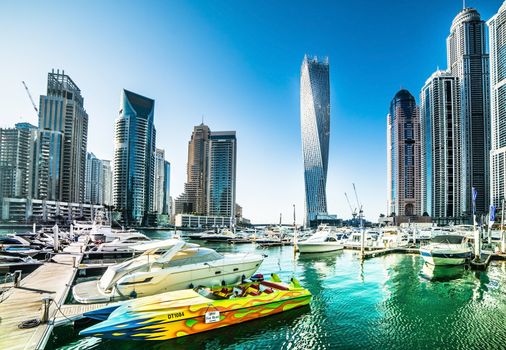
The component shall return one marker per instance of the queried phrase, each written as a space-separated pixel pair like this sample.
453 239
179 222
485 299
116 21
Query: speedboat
124 243
185 312
181 265
447 250
324 240
10 262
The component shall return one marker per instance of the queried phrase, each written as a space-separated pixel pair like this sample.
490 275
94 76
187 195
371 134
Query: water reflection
442 273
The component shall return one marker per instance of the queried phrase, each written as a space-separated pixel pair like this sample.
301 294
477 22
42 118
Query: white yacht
124 243
447 250
325 239
181 266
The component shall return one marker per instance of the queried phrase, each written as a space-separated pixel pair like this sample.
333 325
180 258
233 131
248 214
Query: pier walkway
23 303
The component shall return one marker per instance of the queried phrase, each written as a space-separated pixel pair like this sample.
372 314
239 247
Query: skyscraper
315 130
107 171
468 61
47 169
221 173
62 110
94 184
193 199
441 140
497 42
167 199
162 183
134 158
403 132
16 149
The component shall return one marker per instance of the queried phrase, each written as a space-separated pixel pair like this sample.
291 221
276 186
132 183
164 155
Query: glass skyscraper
468 60
315 130
62 111
134 158
497 33
441 139
403 142
221 173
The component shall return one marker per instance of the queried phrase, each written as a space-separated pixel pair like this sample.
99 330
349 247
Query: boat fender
192 286
133 294
223 283
243 279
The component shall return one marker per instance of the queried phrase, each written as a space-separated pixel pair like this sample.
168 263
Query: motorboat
186 312
166 266
124 243
325 239
13 262
372 239
447 250
221 236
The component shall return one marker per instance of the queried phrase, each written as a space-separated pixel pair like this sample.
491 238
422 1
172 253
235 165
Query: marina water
388 302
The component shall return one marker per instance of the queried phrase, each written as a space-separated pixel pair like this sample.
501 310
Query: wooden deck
72 312
52 279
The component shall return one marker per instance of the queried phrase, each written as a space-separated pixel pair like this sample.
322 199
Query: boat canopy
451 239
189 256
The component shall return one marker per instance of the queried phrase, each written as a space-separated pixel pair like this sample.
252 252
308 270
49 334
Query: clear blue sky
236 63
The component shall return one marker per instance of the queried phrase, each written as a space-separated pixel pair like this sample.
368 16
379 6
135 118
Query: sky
236 65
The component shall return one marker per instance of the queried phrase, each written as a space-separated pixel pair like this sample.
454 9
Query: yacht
181 266
124 243
325 239
221 236
447 250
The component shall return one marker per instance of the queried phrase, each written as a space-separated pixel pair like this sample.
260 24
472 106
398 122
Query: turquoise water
390 302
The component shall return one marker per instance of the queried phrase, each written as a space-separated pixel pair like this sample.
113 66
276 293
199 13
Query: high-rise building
221 173
159 194
167 199
94 184
441 140
193 199
134 158
497 43
62 111
47 167
468 61
107 171
16 149
315 130
403 132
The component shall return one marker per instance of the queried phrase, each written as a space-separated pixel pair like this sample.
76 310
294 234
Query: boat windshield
193 256
451 239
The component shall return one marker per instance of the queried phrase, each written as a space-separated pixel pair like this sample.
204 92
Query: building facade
134 158
403 132
16 152
315 130
468 60
221 173
94 184
193 199
107 175
47 183
62 110
497 43
441 140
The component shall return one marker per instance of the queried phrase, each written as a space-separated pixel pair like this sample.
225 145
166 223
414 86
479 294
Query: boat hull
445 257
191 319
89 292
318 247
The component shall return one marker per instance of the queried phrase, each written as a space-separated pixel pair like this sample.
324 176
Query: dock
24 303
386 251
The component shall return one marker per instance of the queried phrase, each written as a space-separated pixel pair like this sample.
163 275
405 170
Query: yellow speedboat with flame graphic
185 312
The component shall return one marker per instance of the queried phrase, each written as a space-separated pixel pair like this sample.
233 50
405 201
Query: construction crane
31 99
360 211
353 211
